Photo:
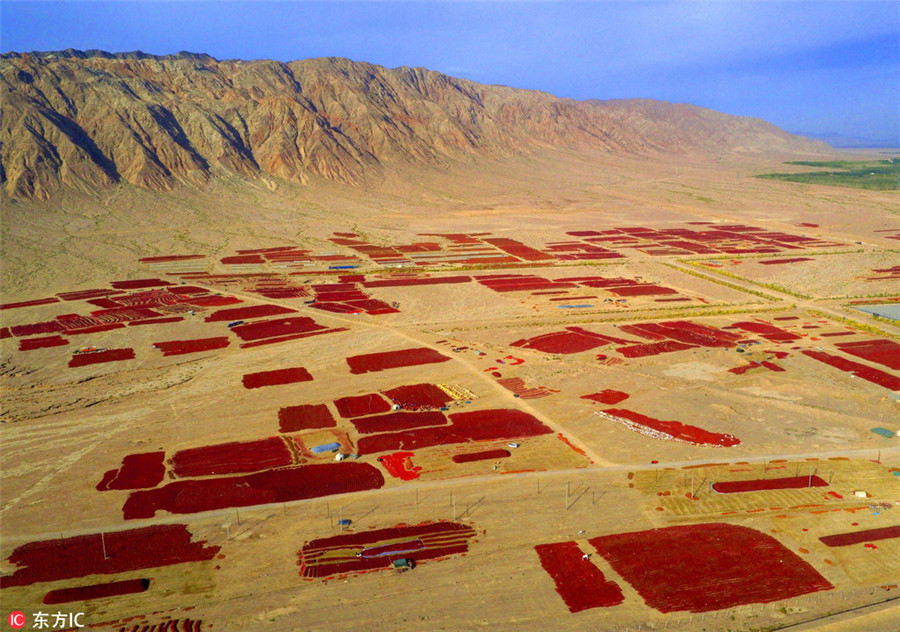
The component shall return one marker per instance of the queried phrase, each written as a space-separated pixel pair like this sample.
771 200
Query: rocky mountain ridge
88 120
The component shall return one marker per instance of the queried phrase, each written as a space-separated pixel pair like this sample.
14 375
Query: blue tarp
327 447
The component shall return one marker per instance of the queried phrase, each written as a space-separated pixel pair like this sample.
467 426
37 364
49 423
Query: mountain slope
90 119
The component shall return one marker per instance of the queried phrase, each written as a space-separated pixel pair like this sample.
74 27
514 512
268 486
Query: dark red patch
39 343
371 362
359 405
417 281
399 421
97 591
672 429
304 417
561 342
271 486
653 348
767 331
245 313
276 327
213 301
79 556
759 484
769 262
138 471
82 295
855 537
863 371
704 567
97 357
48 327
179 347
138 283
482 425
580 584
486 455
607 396
40 301
231 458
156 321
415 396
276 377
885 352
369 550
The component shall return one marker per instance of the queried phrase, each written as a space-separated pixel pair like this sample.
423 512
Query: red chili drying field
581 584
706 567
256 406
357 552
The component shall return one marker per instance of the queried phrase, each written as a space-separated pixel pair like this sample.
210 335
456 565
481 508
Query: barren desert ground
579 391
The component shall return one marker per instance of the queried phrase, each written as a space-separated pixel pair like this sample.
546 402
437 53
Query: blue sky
824 66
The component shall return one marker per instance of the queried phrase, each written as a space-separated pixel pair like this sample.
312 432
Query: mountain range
88 120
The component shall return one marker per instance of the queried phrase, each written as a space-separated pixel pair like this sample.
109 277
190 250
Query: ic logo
17 619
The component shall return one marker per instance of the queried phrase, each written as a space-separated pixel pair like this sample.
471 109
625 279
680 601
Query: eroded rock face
88 120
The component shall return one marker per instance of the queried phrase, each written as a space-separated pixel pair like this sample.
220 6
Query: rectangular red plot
179 347
276 327
863 371
94 329
271 486
398 421
138 471
359 405
305 417
371 362
168 258
40 301
760 484
276 377
642 290
417 281
245 313
186 290
242 259
518 249
109 553
156 321
881 351
486 455
705 567
82 295
415 396
231 458
98 357
580 584
769 262
138 284
654 348
856 537
39 343
213 301
767 331
47 327
308 334
96 591
368 550
482 425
